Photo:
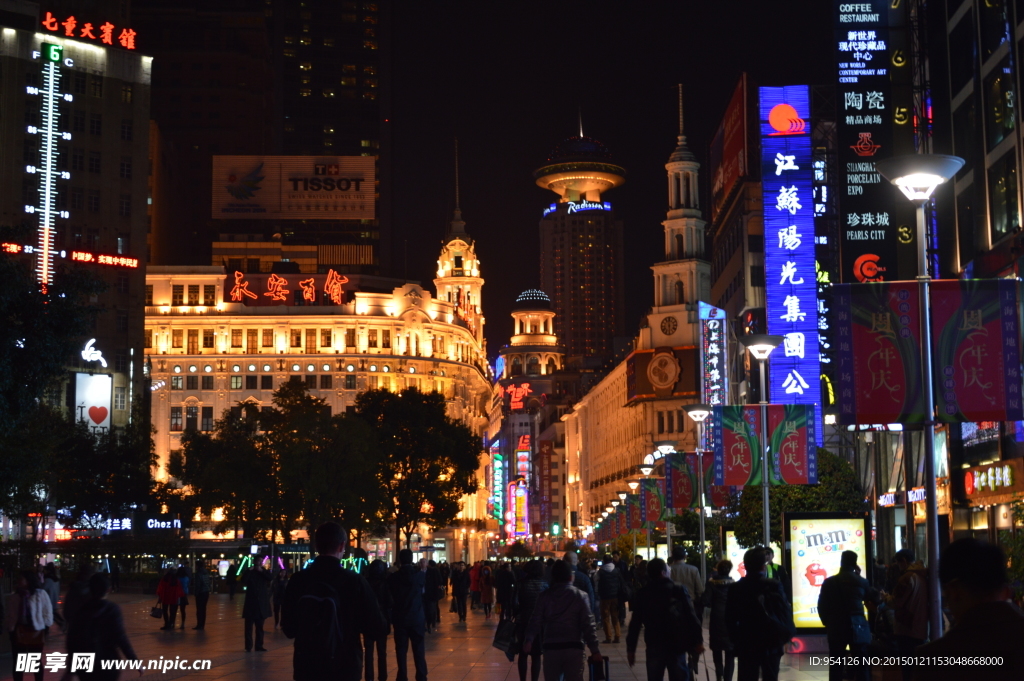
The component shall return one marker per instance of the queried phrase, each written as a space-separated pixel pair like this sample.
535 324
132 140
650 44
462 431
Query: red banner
634 512
680 487
791 443
737 445
652 502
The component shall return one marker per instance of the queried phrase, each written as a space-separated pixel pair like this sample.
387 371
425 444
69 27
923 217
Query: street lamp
645 469
633 484
760 346
699 412
917 176
615 503
622 495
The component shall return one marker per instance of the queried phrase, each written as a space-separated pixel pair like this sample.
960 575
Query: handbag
505 636
27 636
156 611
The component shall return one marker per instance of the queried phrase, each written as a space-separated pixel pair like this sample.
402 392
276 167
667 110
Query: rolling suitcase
599 672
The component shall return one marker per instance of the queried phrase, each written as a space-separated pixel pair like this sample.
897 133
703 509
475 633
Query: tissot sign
293 187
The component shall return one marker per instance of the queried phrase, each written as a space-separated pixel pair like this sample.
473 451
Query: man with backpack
201 589
670 624
841 609
327 609
759 620
611 590
407 617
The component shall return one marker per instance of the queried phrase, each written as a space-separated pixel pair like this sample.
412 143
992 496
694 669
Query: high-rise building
581 258
73 158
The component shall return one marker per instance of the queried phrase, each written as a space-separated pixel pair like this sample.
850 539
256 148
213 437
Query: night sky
508 79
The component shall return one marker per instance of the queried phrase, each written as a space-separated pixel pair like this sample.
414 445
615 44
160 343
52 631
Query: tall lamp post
917 176
699 412
760 346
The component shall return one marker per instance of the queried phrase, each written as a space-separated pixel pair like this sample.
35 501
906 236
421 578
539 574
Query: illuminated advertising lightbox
734 554
816 541
293 187
498 475
791 291
92 399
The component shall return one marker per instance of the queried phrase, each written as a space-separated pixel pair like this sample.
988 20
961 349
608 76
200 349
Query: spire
457 225
680 86
581 121
682 151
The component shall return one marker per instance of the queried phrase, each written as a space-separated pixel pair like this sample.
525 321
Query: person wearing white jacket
29 616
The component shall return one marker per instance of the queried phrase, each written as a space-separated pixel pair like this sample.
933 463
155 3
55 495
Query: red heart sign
98 414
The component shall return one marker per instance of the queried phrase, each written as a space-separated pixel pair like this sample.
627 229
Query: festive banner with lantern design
681 489
791 446
622 517
652 502
791 443
634 513
737 445
716 496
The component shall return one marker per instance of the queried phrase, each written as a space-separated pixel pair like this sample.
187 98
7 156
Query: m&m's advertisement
815 547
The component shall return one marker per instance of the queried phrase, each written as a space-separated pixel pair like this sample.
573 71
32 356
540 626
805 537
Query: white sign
293 187
92 399
91 354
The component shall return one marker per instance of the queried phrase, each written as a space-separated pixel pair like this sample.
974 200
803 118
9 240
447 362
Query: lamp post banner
975 336
652 503
680 485
879 353
634 513
737 445
622 519
791 442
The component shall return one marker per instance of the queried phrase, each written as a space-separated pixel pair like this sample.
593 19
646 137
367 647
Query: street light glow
760 344
698 412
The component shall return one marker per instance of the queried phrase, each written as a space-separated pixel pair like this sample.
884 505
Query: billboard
92 399
661 373
293 187
790 439
816 541
496 504
729 149
734 554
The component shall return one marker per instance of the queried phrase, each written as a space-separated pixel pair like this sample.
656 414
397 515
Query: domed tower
534 350
581 248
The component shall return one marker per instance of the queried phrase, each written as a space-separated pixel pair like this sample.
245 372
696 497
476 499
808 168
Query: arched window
533 365
679 293
517 366
679 246
551 366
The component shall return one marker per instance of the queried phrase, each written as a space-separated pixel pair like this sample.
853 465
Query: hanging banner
680 487
975 336
652 501
634 512
737 445
879 353
622 519
716 496
791 443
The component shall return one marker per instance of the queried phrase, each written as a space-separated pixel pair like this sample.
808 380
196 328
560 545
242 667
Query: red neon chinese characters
50 22
276 288
241 288
69 26
333 286
308 289
82 256
517 393
127 38
10 248
523 444
107 33
118 261
87 31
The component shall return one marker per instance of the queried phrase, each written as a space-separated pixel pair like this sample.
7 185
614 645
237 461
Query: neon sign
518 503
278 289
578 206
497 502
112 260
106 30
517 394
91 354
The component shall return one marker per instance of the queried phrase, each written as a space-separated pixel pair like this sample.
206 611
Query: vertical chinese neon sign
791 298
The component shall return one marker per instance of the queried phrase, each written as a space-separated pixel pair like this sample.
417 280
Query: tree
426 460
837 491
518 551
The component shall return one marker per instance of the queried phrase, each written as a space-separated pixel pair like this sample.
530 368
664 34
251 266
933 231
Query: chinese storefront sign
105 33
519 508
260 290
652 503
523 453
498 472
1005 478
791 445
975 340
874 121
713 361
791 293
515 395
546 454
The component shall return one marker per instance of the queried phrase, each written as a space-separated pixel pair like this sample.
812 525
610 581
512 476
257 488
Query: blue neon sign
578 207
791 292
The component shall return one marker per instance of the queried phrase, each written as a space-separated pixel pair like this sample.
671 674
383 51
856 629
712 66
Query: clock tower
684 277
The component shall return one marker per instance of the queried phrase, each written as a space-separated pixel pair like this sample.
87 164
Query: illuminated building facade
638 406
75 97
581 248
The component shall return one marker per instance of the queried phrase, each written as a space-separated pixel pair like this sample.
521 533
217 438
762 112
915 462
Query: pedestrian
51 585
671 628
582 581
256 607
505 590
232 578
486 586
406 587
755 605
98 627
474 585
530 588
611 587
460 589
637 574
778 572
115 576
909 600
185 579
78 591
376 577
28 617
686 575
878 573
277 591
715 601
330 609
168 593
562 617
985 624
841 609
431 593
446 572
201 589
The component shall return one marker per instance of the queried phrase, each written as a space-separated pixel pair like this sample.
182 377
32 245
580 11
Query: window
348 81
124 205
78 84
296 338
386 339
126 94
148 338
350 338
209 295
126 130
325 338
123 241
757 275
311 382
95 124
373 338
126 168
325 382
78 198
207 422
175 419
120 398
250 382
177 294
1000 102
962 53
78 121
193 341
266 382
176 382
93 202
94 161
208 339
177 338
236 382
250 341
236 338
268 338
661 422
191 383
96 86
1002 196
350 382
191 418
311 348
63 157
77 159
306 66
193 294
207 382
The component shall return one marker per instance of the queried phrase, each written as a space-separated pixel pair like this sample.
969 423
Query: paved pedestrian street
454 652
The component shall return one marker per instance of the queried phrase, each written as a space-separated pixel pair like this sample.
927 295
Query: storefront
989 492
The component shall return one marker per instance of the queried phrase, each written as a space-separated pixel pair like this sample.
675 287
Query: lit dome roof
579 149
533 299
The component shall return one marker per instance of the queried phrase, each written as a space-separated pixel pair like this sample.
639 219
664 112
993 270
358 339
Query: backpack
319 630
682 635
777 617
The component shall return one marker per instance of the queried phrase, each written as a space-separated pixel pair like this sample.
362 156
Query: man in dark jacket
582 582
611 589
406 587
377 576
505 590
460 589
841 609
670 624
357 611
975 589
257 604
716 599
747 622
202 590
97 626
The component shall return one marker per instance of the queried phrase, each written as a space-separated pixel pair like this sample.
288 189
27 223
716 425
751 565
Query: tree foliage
837 491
